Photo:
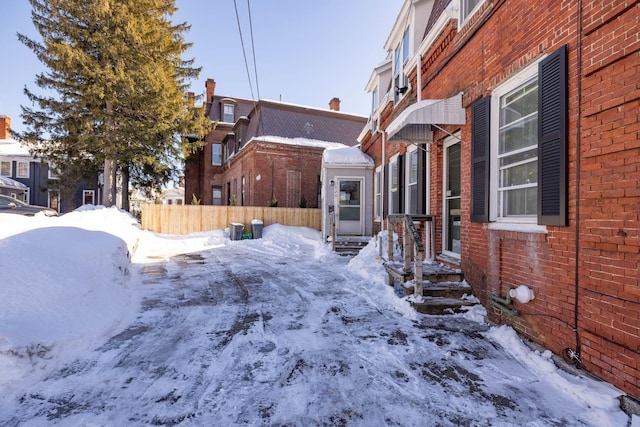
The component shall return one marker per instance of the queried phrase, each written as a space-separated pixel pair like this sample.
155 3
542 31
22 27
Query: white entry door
349 205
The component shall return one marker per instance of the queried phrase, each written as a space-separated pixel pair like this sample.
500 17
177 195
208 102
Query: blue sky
306 51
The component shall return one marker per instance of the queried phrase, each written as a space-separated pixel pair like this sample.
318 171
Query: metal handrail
332 229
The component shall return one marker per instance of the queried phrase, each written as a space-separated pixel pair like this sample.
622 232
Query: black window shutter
384 199
401 190
480 146
552 139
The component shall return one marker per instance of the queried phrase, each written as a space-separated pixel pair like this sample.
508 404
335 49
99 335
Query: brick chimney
210 85
334 104
5 127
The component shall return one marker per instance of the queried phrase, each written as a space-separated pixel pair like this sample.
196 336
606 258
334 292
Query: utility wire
243 50
253 49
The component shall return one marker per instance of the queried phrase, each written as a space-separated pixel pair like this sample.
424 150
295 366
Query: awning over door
414 123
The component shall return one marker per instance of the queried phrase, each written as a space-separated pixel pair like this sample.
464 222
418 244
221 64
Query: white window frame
393 187
25 173
412 153
90 193
375 100
219 154
447 143
225 114
3 166
467 12
242 190
508 86
51 172
400 57
377 200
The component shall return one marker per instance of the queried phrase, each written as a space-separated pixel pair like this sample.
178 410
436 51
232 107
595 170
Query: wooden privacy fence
185 219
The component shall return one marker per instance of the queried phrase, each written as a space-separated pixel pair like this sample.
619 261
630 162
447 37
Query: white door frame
448 142
341 226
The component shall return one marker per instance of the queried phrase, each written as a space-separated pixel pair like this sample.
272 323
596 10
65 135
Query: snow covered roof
10 147
8 182
303 142
346 156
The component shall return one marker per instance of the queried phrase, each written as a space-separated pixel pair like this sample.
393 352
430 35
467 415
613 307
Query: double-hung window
519 147
216 154
377 203
228 113
394 189
22 170
396 182
412 181
5 168
401 54
517 152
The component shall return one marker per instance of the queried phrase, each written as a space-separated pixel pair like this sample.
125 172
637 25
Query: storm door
451 214
349 207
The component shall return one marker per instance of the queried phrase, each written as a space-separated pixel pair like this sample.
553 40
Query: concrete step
440 289
432 272
442 306
350 246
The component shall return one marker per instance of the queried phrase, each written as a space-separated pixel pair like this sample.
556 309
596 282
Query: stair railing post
389 241
407 247
417 276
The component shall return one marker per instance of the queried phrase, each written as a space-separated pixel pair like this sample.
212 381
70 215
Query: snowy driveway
279 332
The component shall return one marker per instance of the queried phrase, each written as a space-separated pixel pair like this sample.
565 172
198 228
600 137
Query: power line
243 50
253 49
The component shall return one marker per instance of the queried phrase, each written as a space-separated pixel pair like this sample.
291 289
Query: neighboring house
204 169
265 153
173 196
518 128
16 163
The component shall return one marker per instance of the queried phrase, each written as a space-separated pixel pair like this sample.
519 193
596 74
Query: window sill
517 227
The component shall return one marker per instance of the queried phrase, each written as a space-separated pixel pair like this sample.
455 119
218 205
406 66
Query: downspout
419 78
575 356
382 181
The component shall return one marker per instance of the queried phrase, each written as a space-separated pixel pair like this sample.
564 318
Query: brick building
537 183
264 151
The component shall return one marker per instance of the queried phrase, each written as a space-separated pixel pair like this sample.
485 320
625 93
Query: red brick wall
604 142
200 175
265 167
610 192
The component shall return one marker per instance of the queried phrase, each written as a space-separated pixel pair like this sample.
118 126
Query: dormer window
228 113
401 54
374 101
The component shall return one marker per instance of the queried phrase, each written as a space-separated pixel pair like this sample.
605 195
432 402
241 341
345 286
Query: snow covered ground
201 330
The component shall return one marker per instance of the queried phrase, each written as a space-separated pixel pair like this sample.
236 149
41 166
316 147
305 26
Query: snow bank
602 397
64 285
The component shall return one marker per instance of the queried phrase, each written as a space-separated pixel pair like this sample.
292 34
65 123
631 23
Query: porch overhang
414 123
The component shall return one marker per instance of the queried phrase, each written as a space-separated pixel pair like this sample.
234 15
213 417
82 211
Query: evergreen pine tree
113 96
